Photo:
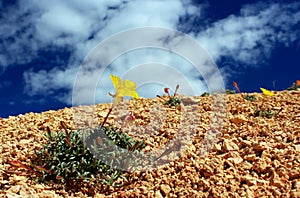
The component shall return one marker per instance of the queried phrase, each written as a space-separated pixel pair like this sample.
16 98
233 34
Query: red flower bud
166 90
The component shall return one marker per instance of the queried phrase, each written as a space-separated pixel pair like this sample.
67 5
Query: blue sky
43 44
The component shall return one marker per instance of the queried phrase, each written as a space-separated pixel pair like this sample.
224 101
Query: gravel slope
252 157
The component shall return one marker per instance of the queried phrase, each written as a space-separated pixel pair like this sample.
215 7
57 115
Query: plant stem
177 87
110 110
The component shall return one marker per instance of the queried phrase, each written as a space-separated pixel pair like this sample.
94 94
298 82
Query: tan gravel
252 157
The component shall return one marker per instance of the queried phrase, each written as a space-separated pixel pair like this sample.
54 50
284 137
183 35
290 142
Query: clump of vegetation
264 113
70 156
65 158
205 94
250 98
229 91
295 86
173 101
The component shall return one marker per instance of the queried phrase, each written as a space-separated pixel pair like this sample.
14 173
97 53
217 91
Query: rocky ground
236 153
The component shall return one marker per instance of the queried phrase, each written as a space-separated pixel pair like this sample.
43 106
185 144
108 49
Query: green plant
28 168
65 157
291 88
237 88
71 155
123 88
294 87
228 91
205 94
250 98
173 101
115 147
264 113
119 138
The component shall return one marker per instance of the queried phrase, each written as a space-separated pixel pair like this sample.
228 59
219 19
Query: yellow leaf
266 92
125 88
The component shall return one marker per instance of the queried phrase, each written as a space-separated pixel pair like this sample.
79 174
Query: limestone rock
249 180
297 147
238 119
165 189
158 194
230 146
261 166
276 181
235 160
189 101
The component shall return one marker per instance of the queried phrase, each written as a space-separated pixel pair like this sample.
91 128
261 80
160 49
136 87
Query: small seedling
264 113
295 86
250 98
129 118
228 91
205 94
237 88
173 101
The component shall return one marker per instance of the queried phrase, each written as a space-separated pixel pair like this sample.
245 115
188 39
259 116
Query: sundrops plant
247 97
173 100
266 92
64 158
205 94
229 91
123 88
263 112
250 98
67 155
237 88
295 86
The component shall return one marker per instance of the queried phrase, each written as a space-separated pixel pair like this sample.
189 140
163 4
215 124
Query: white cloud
250 37
18 45
149 13
80 25
73 23
47 82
